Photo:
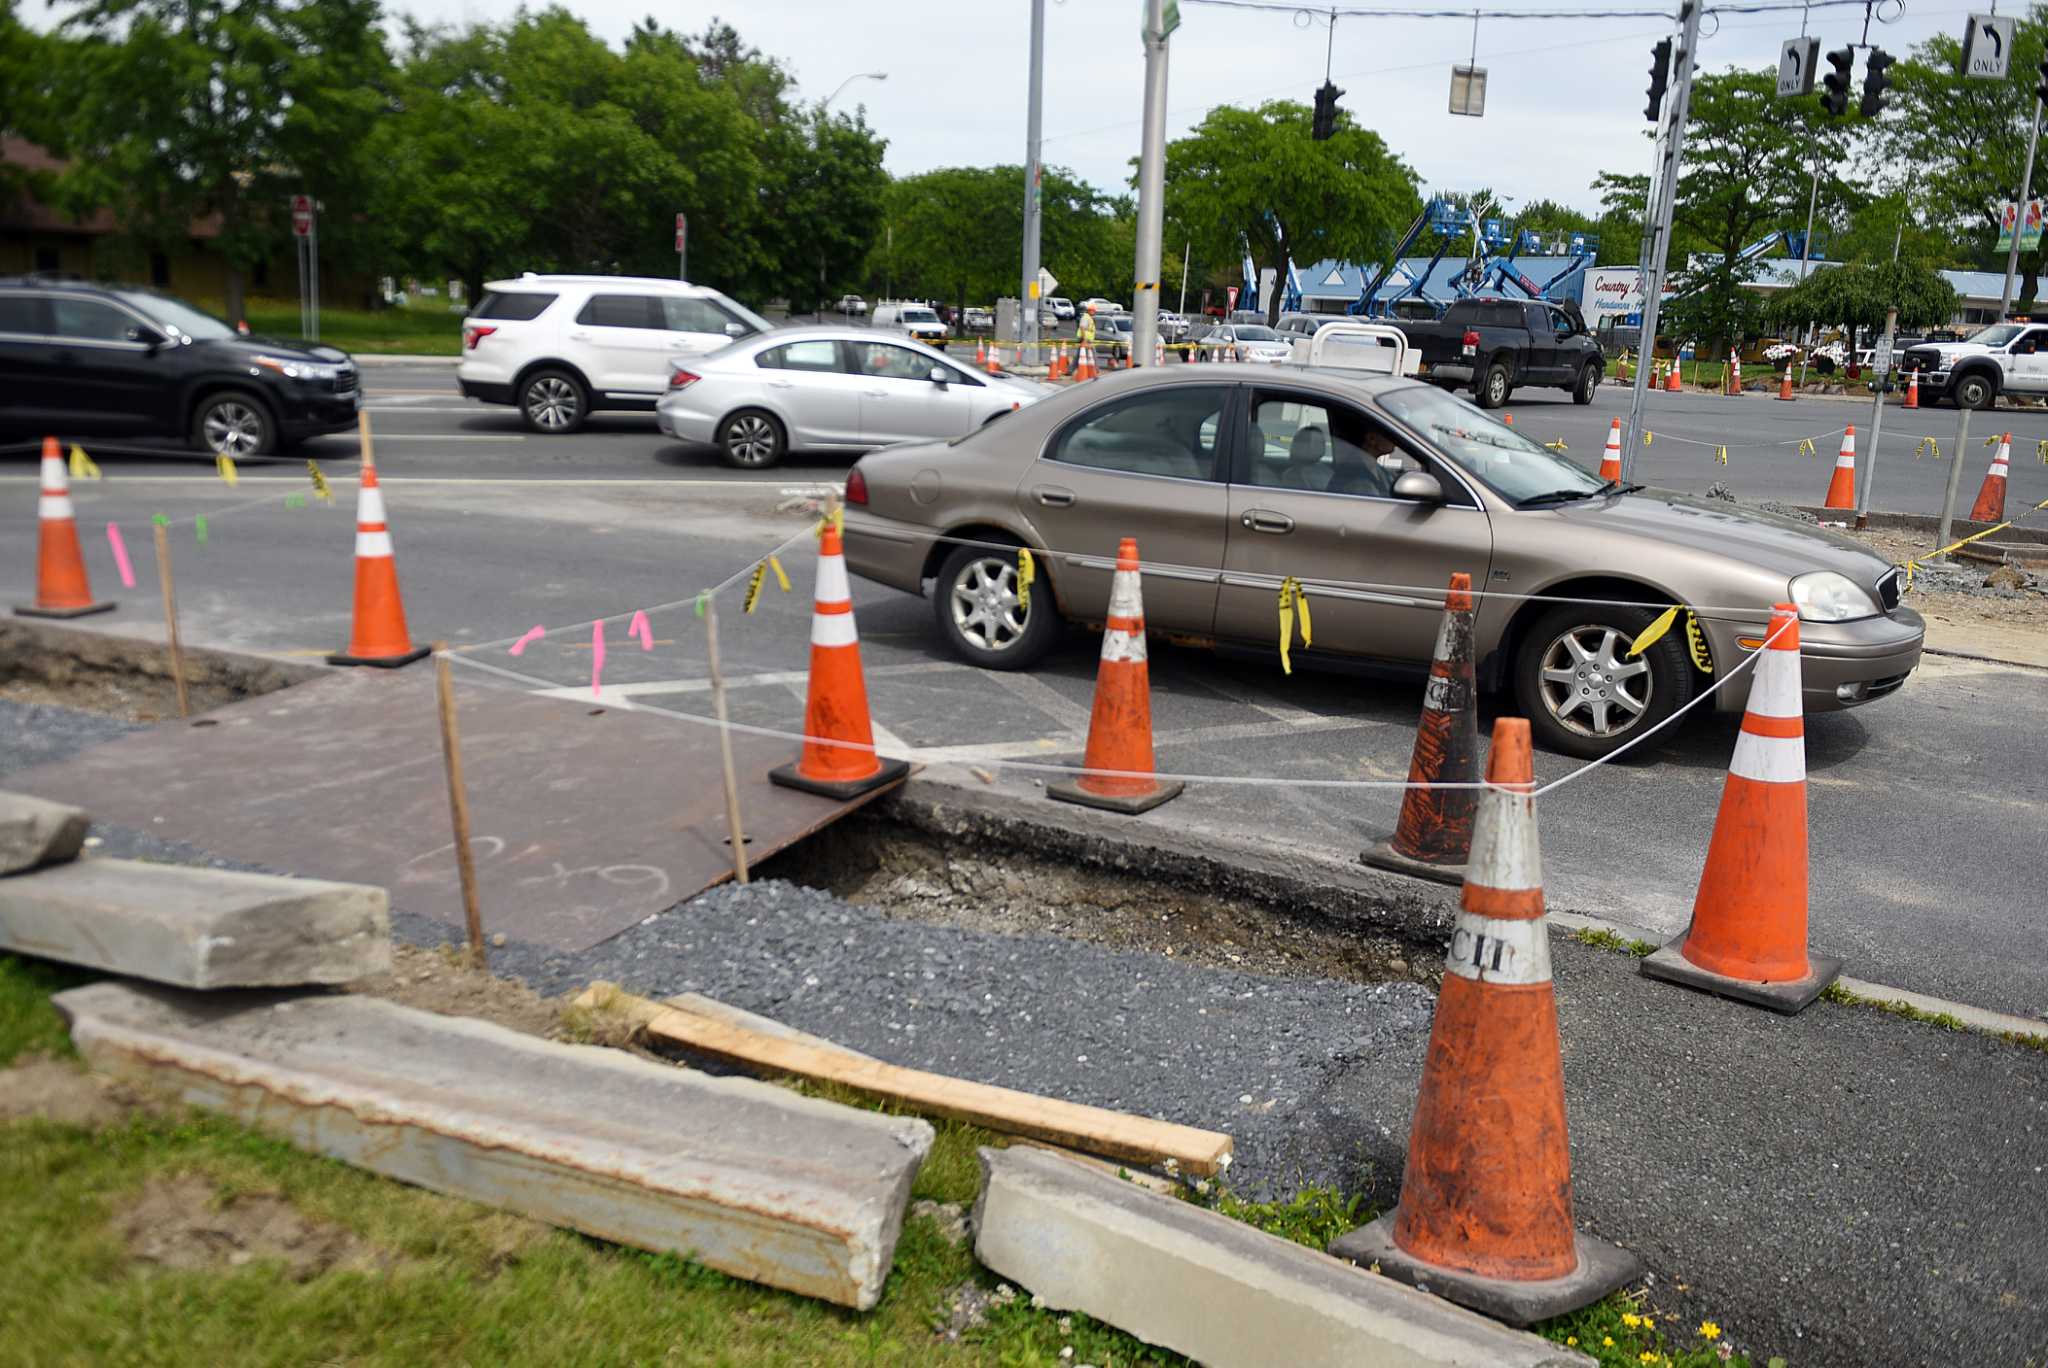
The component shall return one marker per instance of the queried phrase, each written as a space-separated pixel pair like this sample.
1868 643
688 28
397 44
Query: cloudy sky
1565 97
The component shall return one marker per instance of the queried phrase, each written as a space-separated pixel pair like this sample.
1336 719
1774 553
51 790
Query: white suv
561 346
919 322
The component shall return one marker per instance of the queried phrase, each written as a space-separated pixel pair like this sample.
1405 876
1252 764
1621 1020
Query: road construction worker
1084 331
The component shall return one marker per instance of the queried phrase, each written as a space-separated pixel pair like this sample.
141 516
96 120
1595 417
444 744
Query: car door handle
1260 520
876 394
782 384
580 336
1052 496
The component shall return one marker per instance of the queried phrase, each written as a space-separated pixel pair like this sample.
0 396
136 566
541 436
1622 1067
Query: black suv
123 361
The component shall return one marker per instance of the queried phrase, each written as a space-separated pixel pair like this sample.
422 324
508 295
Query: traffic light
2041 90
1875 82
1835 97
1324 125
1660 76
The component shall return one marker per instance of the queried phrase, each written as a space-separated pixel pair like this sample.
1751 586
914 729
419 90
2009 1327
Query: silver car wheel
985 606
1588 687
233 429
750 440
552 403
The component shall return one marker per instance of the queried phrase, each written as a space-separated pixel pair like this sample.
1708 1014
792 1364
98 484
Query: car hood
282 348
1950 350
1764 540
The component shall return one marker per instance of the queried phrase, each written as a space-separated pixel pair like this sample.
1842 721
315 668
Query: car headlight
1825 596
298 370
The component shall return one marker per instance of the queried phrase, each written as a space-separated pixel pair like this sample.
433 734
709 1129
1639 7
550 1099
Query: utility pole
1027 296
1657 233
1151 189
1884 370
2019 219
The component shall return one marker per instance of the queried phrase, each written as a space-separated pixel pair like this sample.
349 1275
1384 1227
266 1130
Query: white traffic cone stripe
1505 855
55 499
53 506
1497 950
833 629
832 586
372 545
370 506
1122 647
1769 759
1125 598
1775 691
1846 461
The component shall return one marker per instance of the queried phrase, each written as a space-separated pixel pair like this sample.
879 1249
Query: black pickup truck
1494 345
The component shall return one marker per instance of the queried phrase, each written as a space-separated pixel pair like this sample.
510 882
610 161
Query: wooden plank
1093 1130
609 997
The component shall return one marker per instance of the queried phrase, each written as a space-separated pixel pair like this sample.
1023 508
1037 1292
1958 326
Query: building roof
25 212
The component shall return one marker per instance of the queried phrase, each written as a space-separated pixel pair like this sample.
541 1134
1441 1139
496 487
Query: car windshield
1255 333
919 316
1513 465
2000 335
196 324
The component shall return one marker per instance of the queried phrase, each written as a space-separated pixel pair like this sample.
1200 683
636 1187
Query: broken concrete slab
35 832
197 928
744 1177
1214 1289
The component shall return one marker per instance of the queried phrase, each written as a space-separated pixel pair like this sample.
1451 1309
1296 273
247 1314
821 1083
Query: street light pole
1034 129
857 76
2019 219
1151 190
1657 235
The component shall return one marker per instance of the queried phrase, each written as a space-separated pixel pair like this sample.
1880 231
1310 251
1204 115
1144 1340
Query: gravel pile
38 733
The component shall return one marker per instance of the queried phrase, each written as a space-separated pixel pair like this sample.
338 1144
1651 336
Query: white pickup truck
2006 358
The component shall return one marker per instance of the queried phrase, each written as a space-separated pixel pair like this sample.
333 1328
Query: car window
892 363
685 314
88 320
21 314
514 306
1482 446
623 311
819 354
1167 432
919 315
1561 323
1319 446
175 315
2032 342
1257 333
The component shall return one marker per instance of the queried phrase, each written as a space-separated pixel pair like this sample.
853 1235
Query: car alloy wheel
1496 392
1589 686
1974 392
553 404
751 440
986 609
233 428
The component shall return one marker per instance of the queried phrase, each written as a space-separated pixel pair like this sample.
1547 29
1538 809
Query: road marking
643 688
376 407
622 481
447 437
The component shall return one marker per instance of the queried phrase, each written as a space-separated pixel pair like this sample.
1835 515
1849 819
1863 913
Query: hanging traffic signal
2041 90
1835 97
1875 82
1324 126
1660 76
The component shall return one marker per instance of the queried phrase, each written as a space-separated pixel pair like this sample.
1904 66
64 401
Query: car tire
975 599
234 423
554 402
752 439
1572 670
1494 386
1974 391
1589 381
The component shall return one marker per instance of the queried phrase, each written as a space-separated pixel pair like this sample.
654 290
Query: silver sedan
829 389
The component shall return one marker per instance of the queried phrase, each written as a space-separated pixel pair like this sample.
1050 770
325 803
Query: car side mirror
939 375
1419 485
147 336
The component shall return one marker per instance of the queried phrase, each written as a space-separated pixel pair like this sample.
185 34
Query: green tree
955 234
824 192
24 90
178 112
1253 179
1857 296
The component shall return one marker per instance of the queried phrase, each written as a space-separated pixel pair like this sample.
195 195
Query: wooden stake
458 799
732 783
363 429
163 574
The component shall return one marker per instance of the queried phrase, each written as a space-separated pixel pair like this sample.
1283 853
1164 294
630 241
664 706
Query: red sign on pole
682 231
302 215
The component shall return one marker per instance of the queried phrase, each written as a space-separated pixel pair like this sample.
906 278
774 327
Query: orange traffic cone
1610 459
1434 834
1508 418
838 758
1913 390
379 637
1785 384
1120 727
1671 377
1087 369
1734 373
1158 351
62 590
1842 486
993 361
1747 939
1990 505
1485 1217
1059 361
981 351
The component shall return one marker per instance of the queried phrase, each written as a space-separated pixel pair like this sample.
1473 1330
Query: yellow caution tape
781 579
1696 642
1027 571
320 489
225 465
82 465
1807 448
1654 633
836 520
1557 446
754 587
1293 596
1974 536
2042 451
1926 444
1722 454
1647 435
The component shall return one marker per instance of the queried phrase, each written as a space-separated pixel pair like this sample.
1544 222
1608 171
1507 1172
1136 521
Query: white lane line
447 437
644 688
401 409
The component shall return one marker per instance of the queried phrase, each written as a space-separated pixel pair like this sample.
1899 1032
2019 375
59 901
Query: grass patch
428 330
1607 940
28 1023
1620 1331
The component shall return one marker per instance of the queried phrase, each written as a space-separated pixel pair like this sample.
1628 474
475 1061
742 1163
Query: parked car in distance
91 360
1172 326
1295 325
1494 345
1371 491
561 347
829 389
978 320
853 306
1253 342
1063 309
917 321
2005 358
1102 306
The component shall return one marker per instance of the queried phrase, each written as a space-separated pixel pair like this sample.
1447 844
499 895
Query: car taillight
856 487
472 336
682 379
1471 339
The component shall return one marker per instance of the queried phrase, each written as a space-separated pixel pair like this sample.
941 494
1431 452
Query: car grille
1921 361
1880 687
345 383
1889 588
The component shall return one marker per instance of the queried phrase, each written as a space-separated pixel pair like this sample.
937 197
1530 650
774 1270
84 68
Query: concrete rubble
35 832
741 1176
1214 1289
197 928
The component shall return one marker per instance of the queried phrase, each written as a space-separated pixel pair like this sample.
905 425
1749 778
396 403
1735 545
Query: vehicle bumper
311 415
684 422
1449 373
1841 664
485 391
886 551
